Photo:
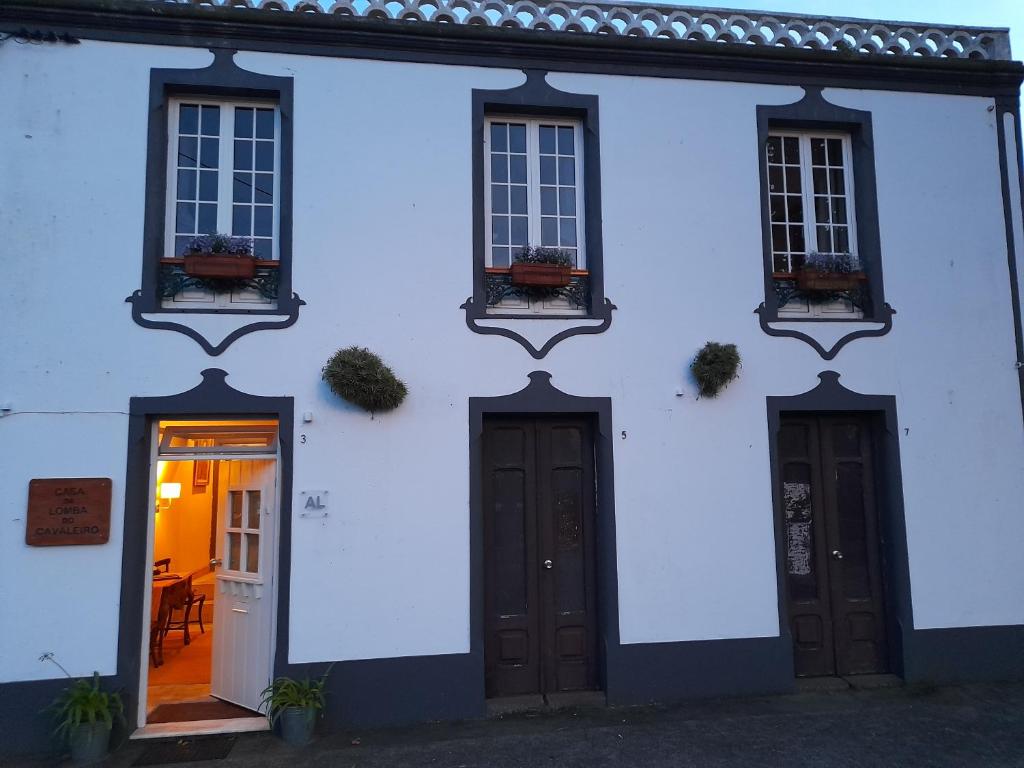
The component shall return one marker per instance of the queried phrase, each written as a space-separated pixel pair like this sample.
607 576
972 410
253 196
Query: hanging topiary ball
714 367
359 376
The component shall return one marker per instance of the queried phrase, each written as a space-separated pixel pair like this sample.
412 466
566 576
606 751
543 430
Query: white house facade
553 508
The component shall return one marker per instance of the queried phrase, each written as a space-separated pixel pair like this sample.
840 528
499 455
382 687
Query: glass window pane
517 138
566 170
186 185
794 184
796 240
234 547
817 151
242 188
207 218
548 230
241 220
795 208
548 200
520 231
252 552
188 151
263 221
264 155
517 169
499 168
775 179
185 218
499 198
820 178
774 149
235 502
208 185
824 240
780 262
499 137
263 248
567 235
821 210
181 245
518 204
211 121
499 230
243 123
208 153
500 257
791 147
839 210
567 201
779 242
547 140
566 141
837 180
835 152
264 188
777 207
547 170
255 497
264 123
841 239
188 119
243 155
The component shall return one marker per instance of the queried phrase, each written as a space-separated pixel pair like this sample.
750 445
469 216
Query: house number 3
302 439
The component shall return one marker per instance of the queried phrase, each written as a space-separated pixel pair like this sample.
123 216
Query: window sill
499 289
786 291
172 281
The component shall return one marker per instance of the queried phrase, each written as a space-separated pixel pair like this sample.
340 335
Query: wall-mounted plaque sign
68 510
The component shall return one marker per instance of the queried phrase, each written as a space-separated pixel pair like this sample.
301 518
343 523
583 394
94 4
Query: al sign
69 510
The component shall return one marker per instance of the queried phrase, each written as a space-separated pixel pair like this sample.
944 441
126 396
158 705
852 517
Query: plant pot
812 280
89 742
297 725
541 275
220 266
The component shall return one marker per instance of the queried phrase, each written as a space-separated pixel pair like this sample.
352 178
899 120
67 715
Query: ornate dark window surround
814 112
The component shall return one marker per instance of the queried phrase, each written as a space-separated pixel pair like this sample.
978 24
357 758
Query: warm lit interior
200 504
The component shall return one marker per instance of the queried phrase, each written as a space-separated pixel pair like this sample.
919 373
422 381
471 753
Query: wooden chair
182 597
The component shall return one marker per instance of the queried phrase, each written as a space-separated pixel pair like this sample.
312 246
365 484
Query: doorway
832 546
210 578
538 489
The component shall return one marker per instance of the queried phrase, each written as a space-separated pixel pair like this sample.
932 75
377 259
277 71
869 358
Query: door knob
837 554
547 564
215 562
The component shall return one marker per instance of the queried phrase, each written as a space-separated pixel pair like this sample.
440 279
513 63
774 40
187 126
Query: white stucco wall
382 239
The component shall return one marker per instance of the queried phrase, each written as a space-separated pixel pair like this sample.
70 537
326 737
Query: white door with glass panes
243 601
533 179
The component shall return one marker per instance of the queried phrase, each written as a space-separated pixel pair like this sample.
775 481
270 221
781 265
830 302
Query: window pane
519 199
820 177
517 169
255 498
520 230
794 208
263 221
208 185
185 218
207 218
566 170
566 141
775 179
499 230
188 119
837 181
235 520
234 546
567 235
839 210
188 151
209 153
547 170
263 248
264 123
792 150
821 210
499 257
794 184
547 140
499 198
779 241
841 239
211 121
548 230
241 220
567 201
774 149
243 155
264 188
818 151
181 245
264 156
548 200
499 137
824 240
777 207
517 138
252 552
835 152
243 188
243 123
796 239
186 185
499 168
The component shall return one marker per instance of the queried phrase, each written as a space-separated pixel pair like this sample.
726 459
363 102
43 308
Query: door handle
548 565
215 562
837 554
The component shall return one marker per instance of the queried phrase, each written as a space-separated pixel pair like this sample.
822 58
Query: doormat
186 712
186 751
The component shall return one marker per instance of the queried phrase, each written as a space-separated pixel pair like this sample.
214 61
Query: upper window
223 177
810 187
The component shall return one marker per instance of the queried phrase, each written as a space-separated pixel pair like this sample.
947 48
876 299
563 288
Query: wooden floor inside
185 674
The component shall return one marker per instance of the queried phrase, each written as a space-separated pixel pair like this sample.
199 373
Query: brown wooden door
538 492
831 543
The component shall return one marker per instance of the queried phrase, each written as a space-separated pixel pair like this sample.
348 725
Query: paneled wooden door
243 603
540 584
831 542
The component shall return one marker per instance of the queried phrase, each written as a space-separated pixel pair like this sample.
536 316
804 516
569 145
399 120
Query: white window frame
837 309
533 184
225 195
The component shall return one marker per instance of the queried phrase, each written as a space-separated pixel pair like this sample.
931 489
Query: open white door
243 603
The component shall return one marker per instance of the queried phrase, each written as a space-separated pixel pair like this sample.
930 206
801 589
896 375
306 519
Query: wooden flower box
541 275
220 266
812 280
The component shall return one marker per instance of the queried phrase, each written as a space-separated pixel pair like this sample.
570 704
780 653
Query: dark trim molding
222 78
1010 105
885 315
830 396
212 398
537 97
540 397
965 655
323 34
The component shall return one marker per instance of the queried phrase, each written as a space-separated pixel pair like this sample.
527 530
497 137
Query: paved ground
907 727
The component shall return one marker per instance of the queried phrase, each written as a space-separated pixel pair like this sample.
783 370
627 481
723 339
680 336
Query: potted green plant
361 377
220 257
85 717
714 367
294 706
538 267
830 273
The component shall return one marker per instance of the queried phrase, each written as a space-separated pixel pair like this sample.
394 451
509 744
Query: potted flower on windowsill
539 267
830 273
85 717
294 705
221 257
